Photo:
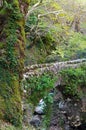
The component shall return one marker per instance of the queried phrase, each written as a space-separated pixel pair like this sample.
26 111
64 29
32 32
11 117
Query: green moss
11 64
2 45
2 106
26 1
10 99
16 3
13 111
2 12
15 22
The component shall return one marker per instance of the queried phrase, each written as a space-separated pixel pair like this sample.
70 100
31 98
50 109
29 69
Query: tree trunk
12 44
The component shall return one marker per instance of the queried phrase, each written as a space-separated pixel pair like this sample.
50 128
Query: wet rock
36 121
63 106
66 127
65 113
40 108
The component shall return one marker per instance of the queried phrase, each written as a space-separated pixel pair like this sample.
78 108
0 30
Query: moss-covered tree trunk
12 44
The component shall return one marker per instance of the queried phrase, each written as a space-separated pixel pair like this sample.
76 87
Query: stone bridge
38 69
71 112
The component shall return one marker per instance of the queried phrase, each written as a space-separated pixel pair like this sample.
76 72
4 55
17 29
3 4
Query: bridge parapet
38 69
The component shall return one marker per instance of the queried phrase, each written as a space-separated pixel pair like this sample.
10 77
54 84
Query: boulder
36 121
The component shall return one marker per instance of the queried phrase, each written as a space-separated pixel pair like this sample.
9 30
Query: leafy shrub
39 87
73 79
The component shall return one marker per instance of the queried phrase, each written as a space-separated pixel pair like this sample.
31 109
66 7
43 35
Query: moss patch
10 100
11 63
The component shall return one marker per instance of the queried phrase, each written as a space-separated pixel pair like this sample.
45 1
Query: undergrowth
73 80
38 87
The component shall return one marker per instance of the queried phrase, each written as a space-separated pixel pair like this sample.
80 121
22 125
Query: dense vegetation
73 80
56 31
12 44
53 30
39 88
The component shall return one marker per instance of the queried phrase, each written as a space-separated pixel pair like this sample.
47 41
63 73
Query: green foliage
31 21
47 117
10 60
73 80
76 44
39 87
73 47
49 98
11 41
32 2
47 110
54 33
46 32
77 40
10 64
53 58
10 97
26 1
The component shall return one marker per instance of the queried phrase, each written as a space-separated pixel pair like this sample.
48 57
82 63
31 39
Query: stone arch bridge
68 111
38 69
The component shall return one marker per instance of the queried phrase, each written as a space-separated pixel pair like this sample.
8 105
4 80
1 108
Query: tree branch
52 12
33 8
1 3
